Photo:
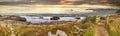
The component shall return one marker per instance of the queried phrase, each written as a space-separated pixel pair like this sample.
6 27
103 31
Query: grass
24 30
4 30
113 25
90 31
113 31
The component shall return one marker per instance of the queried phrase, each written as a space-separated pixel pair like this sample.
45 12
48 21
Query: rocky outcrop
118 12
54 18
16 18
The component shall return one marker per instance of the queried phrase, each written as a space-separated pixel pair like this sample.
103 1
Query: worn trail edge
100 29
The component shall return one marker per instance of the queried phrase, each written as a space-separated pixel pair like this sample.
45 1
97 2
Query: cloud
73 2
15 2
9 2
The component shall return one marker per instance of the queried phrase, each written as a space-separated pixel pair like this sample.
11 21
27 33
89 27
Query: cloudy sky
49 6
76 2
8 2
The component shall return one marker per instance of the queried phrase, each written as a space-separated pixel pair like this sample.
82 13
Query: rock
50 34
61 33
118 12
78 18
58 33
0 15
54 18
16 18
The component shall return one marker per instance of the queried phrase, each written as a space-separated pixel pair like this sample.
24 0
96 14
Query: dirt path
101 30
11 29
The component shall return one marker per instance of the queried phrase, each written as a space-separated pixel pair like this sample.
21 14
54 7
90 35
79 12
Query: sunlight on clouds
57 10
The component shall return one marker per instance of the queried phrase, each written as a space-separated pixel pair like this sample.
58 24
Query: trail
101 30
11 29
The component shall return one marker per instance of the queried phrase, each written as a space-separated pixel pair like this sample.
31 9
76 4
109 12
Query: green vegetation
24 30
86 23
113 25
91 31
4 30
90 25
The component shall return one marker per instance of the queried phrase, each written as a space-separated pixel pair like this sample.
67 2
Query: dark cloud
29 2
116 2
17 2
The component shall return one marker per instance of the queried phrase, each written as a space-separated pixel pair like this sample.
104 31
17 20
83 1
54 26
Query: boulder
118 12
0 15
55 18
16 18
77 18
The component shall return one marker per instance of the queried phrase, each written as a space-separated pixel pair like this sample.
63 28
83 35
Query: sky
73 2
50 6
48 2
53 2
